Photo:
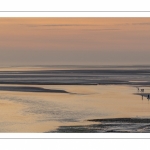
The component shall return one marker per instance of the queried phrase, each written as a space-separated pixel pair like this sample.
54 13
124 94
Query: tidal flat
74 100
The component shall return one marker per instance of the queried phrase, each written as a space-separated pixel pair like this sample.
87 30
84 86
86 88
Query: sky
74 41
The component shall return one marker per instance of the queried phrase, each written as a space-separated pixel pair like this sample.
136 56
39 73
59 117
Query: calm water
78 94
131 75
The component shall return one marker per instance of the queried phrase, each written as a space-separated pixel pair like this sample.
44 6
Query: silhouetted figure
142 97
138 89
142 90
148 97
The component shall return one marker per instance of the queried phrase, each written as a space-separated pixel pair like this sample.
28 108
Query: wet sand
143 95
114 125
102 100
65 112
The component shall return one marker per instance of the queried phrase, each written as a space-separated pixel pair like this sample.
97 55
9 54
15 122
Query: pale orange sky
74 40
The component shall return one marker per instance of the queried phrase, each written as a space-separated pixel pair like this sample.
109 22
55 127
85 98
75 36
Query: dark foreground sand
113 125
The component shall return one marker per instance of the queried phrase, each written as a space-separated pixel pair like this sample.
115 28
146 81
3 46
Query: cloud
142 23
138 23
122 24
103 29
57 25
111 29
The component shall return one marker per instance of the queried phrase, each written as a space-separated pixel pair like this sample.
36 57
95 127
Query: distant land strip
103 82
30 89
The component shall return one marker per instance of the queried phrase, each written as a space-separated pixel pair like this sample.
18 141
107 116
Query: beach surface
74 101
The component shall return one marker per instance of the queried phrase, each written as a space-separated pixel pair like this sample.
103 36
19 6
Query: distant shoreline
137 84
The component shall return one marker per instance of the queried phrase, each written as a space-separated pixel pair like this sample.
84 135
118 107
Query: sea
75 99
